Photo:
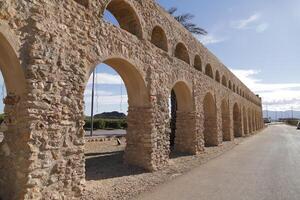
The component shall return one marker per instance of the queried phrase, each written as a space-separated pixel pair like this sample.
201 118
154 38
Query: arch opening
129 127
198 63
245 123
181 122
209 71
218 76
224 81
210 121
237 121
159 38
3 94
229 85
182 53
225 120
249 121
126 17
253 121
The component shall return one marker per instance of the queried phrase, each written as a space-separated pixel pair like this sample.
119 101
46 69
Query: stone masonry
48 49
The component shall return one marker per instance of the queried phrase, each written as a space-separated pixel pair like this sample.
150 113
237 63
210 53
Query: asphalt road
264 167
117 132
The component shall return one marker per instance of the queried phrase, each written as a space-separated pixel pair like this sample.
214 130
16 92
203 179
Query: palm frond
172 10
193 28
185 19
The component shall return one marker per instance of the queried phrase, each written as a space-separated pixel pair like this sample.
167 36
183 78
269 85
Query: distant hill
110 115
281 114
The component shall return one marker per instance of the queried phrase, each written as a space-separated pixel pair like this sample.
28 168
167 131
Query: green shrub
113 125
106 124
123 124
99 124
87 124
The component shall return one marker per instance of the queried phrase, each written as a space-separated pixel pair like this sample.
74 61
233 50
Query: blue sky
258 40
258 35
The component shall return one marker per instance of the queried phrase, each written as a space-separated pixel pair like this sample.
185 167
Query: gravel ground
107 178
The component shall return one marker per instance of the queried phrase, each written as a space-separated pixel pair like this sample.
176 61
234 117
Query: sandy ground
107 178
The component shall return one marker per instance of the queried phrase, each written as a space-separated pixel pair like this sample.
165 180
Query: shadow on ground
107 165
174 154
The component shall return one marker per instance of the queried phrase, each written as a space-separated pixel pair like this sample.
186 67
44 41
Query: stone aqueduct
48 51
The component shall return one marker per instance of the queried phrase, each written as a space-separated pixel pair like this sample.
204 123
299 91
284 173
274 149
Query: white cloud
252 22
107 104
210 39
88 93
109 100
105 78
245 23
278 96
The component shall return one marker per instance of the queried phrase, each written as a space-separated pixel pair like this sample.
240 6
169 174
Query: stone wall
51 48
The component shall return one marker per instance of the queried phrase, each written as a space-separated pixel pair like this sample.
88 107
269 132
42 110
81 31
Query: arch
224 80
182 53
218 76
229 85
209 71
14 141
137 149
225 120
245 124
126 17
136 87
183 96
198 63
183 129
249 121
257 120
253 121
237 90
159 38
10 67
210 121
233 87
237 121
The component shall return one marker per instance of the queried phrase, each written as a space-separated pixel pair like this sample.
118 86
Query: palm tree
184 19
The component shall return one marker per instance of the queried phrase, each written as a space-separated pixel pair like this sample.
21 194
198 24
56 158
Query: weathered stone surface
48 49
